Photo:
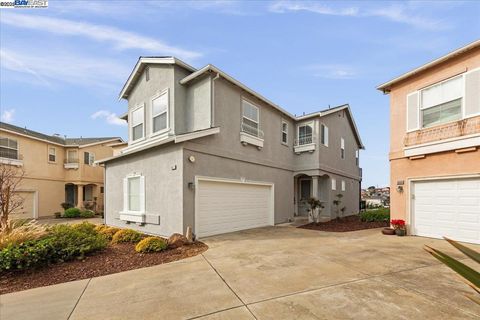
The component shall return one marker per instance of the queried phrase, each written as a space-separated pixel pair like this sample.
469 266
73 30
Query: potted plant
399 226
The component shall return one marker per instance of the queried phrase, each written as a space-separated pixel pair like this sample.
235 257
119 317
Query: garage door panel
229 206
447 208
28 206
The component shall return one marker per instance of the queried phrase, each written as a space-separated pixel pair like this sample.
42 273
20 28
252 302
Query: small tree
10 200
316 208
336 202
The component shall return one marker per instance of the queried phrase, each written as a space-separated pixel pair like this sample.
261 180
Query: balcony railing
71 161
304 140
253 131
10 154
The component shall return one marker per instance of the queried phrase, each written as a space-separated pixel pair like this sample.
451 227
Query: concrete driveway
268 273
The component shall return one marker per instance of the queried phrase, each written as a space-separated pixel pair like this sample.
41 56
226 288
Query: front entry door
305 194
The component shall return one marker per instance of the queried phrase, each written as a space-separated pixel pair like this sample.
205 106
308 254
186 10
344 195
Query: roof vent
56 135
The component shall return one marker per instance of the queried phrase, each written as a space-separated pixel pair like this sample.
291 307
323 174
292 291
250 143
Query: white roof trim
212 68
384 86
146 60
196 134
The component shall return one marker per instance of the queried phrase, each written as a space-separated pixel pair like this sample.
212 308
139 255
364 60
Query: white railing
308 139
251 130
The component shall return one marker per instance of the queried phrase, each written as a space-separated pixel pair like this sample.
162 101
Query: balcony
11 157
71 163
306 143
251 135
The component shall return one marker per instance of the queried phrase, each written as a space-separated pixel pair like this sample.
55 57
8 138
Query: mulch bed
115 258
350 223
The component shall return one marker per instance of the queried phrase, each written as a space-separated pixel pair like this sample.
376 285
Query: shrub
382 214
72 213
63 243
87 214
127 235
151 244
19 231
66 205
109 232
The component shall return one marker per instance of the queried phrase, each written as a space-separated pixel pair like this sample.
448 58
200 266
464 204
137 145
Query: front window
133 193
305 134
250 119
88 158
442 103
88 193
160 113
342 148
334 184
137 124
51 154
8 148
284 132
72 156
324 135
343 185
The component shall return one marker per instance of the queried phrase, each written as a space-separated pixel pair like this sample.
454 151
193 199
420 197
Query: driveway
268 273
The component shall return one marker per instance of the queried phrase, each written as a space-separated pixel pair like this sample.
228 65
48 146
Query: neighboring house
57 169
208 152
434 146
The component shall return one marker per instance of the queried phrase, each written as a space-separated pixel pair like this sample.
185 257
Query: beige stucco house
435 146
56 169
206 151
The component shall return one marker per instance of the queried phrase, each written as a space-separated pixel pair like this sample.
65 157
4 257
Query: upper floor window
160 113
442 102
72 156
284 132
8 148
250 119
343 185
342 148
357 157
334 184
305 133
137 123
324 135
88 158
52 154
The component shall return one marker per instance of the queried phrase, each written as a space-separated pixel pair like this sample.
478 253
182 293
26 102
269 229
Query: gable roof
55 139
385 87
140 66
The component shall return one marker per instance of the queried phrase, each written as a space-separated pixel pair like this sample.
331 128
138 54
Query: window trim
75 158
342 148
258 112
306 123
322 135
10 148
334 184
130 116
167 111
126 197
54 154
343 185
286 132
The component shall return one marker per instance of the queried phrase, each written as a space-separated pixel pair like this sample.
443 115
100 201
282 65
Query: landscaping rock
177 240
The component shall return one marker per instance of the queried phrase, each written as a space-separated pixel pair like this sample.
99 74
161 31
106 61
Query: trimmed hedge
72 213
151 244
127 235
87 214
381 214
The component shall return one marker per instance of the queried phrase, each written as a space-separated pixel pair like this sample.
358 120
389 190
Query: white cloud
7 115
332 71
121 39
401 13
110 117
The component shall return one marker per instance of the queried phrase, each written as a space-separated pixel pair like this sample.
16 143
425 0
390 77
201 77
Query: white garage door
448 208
27 211
223 207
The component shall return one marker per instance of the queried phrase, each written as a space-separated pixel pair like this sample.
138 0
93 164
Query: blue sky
63 67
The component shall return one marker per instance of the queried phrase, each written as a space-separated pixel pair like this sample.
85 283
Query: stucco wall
163 188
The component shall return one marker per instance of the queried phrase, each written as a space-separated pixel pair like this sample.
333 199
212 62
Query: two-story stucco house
56 169
435 146
208 152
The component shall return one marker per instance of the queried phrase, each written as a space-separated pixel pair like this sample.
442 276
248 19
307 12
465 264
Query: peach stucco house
56 169
435 146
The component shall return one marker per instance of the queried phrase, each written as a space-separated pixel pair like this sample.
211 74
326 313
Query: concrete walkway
269 273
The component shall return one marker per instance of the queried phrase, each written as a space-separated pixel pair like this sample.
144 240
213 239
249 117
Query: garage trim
240 181
410 216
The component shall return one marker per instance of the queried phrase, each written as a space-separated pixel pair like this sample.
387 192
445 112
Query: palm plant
336 202
470 277
316 207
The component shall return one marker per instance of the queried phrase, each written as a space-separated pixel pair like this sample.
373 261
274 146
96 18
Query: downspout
212 101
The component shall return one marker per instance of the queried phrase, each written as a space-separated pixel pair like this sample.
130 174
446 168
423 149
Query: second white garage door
448 208
224 206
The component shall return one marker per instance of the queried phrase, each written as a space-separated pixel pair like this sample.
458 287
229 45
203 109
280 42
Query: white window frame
324 134
72 151
334 184
343 185
91 158
167 111
54 154
357 157
130 116
10 148
342 148
126 204
258 113
285 132
311 124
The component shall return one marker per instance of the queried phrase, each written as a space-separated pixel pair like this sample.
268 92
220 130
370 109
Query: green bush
72 213
63 243
87 214
109 232
151 244
381 214
127 235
